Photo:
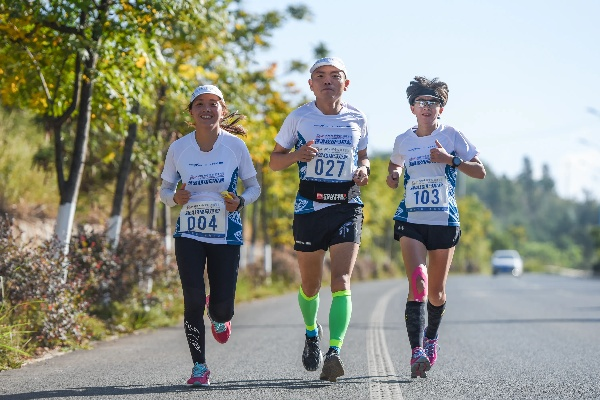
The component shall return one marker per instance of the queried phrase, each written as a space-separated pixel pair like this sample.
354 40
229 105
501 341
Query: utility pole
595 112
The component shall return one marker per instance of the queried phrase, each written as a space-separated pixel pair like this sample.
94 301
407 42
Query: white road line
383 378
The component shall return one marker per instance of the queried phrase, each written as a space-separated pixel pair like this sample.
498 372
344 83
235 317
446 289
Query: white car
507 261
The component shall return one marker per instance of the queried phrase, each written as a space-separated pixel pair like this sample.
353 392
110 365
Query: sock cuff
305 297
311 327
429 305
341 293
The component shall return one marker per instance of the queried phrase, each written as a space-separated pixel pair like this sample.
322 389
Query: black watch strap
242 204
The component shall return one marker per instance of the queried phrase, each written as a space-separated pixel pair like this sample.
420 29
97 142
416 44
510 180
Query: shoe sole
332 369
419 368
198 384
320 334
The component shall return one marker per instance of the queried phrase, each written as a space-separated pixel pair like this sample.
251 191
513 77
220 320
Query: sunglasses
426 103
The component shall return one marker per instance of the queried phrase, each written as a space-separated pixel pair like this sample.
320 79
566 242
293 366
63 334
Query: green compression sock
339 317
309 307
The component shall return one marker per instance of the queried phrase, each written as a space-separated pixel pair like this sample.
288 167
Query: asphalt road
533 337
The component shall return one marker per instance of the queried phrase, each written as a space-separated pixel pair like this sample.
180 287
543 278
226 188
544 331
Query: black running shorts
318 230
434 237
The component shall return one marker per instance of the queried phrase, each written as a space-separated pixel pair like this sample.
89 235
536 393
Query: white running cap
206 89
333 61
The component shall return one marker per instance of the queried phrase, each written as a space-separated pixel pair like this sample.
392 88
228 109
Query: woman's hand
182 196
232 202
439 155
393 179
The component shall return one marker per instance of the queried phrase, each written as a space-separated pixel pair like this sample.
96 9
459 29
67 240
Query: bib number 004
205 218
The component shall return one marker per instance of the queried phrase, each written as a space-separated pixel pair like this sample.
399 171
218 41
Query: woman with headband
427 221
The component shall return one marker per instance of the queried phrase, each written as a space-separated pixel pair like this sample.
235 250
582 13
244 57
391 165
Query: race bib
427 194
332 163
204 218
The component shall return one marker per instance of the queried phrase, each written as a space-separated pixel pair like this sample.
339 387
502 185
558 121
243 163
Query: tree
63 41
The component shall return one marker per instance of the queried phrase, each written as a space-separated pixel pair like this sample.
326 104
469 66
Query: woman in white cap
208 162
329 138
427 221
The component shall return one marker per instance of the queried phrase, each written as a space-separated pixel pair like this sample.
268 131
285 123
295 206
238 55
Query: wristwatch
241 205
456 161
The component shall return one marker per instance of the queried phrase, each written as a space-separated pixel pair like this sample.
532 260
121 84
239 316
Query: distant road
533 337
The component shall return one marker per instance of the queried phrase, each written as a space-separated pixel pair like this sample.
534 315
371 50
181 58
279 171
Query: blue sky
524 75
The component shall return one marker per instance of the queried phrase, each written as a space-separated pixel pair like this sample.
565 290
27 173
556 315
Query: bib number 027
327 168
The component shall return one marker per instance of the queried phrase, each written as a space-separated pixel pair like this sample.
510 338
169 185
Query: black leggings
222 262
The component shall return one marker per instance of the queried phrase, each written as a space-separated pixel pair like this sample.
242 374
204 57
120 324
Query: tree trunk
154 179
116 218
70 191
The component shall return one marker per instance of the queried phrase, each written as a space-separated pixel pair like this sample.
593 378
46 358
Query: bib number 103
424 197
427 194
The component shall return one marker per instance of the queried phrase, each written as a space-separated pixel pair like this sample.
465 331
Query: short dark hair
422 86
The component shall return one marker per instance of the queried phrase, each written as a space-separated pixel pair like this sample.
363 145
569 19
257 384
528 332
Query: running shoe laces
219 327
431 347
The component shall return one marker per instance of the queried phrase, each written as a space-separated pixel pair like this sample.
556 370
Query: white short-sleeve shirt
429 187
206 175
338 137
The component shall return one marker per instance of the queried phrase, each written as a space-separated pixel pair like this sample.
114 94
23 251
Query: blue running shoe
200 375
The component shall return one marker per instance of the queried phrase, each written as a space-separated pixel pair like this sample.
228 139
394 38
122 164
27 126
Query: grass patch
24 139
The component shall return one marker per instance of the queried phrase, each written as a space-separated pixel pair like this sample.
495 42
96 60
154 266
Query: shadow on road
526 321
290 384
142 389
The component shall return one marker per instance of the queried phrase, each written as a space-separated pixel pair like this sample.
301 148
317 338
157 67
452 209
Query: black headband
424 92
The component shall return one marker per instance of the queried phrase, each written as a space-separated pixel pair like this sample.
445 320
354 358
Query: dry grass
27 192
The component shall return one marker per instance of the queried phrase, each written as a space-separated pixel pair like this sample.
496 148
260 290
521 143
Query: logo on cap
212 89
333 61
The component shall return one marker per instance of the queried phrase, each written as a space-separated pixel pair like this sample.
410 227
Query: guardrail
577 273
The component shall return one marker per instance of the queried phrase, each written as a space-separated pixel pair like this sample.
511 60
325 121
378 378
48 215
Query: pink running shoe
200 375
221 330
431 348
419 363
